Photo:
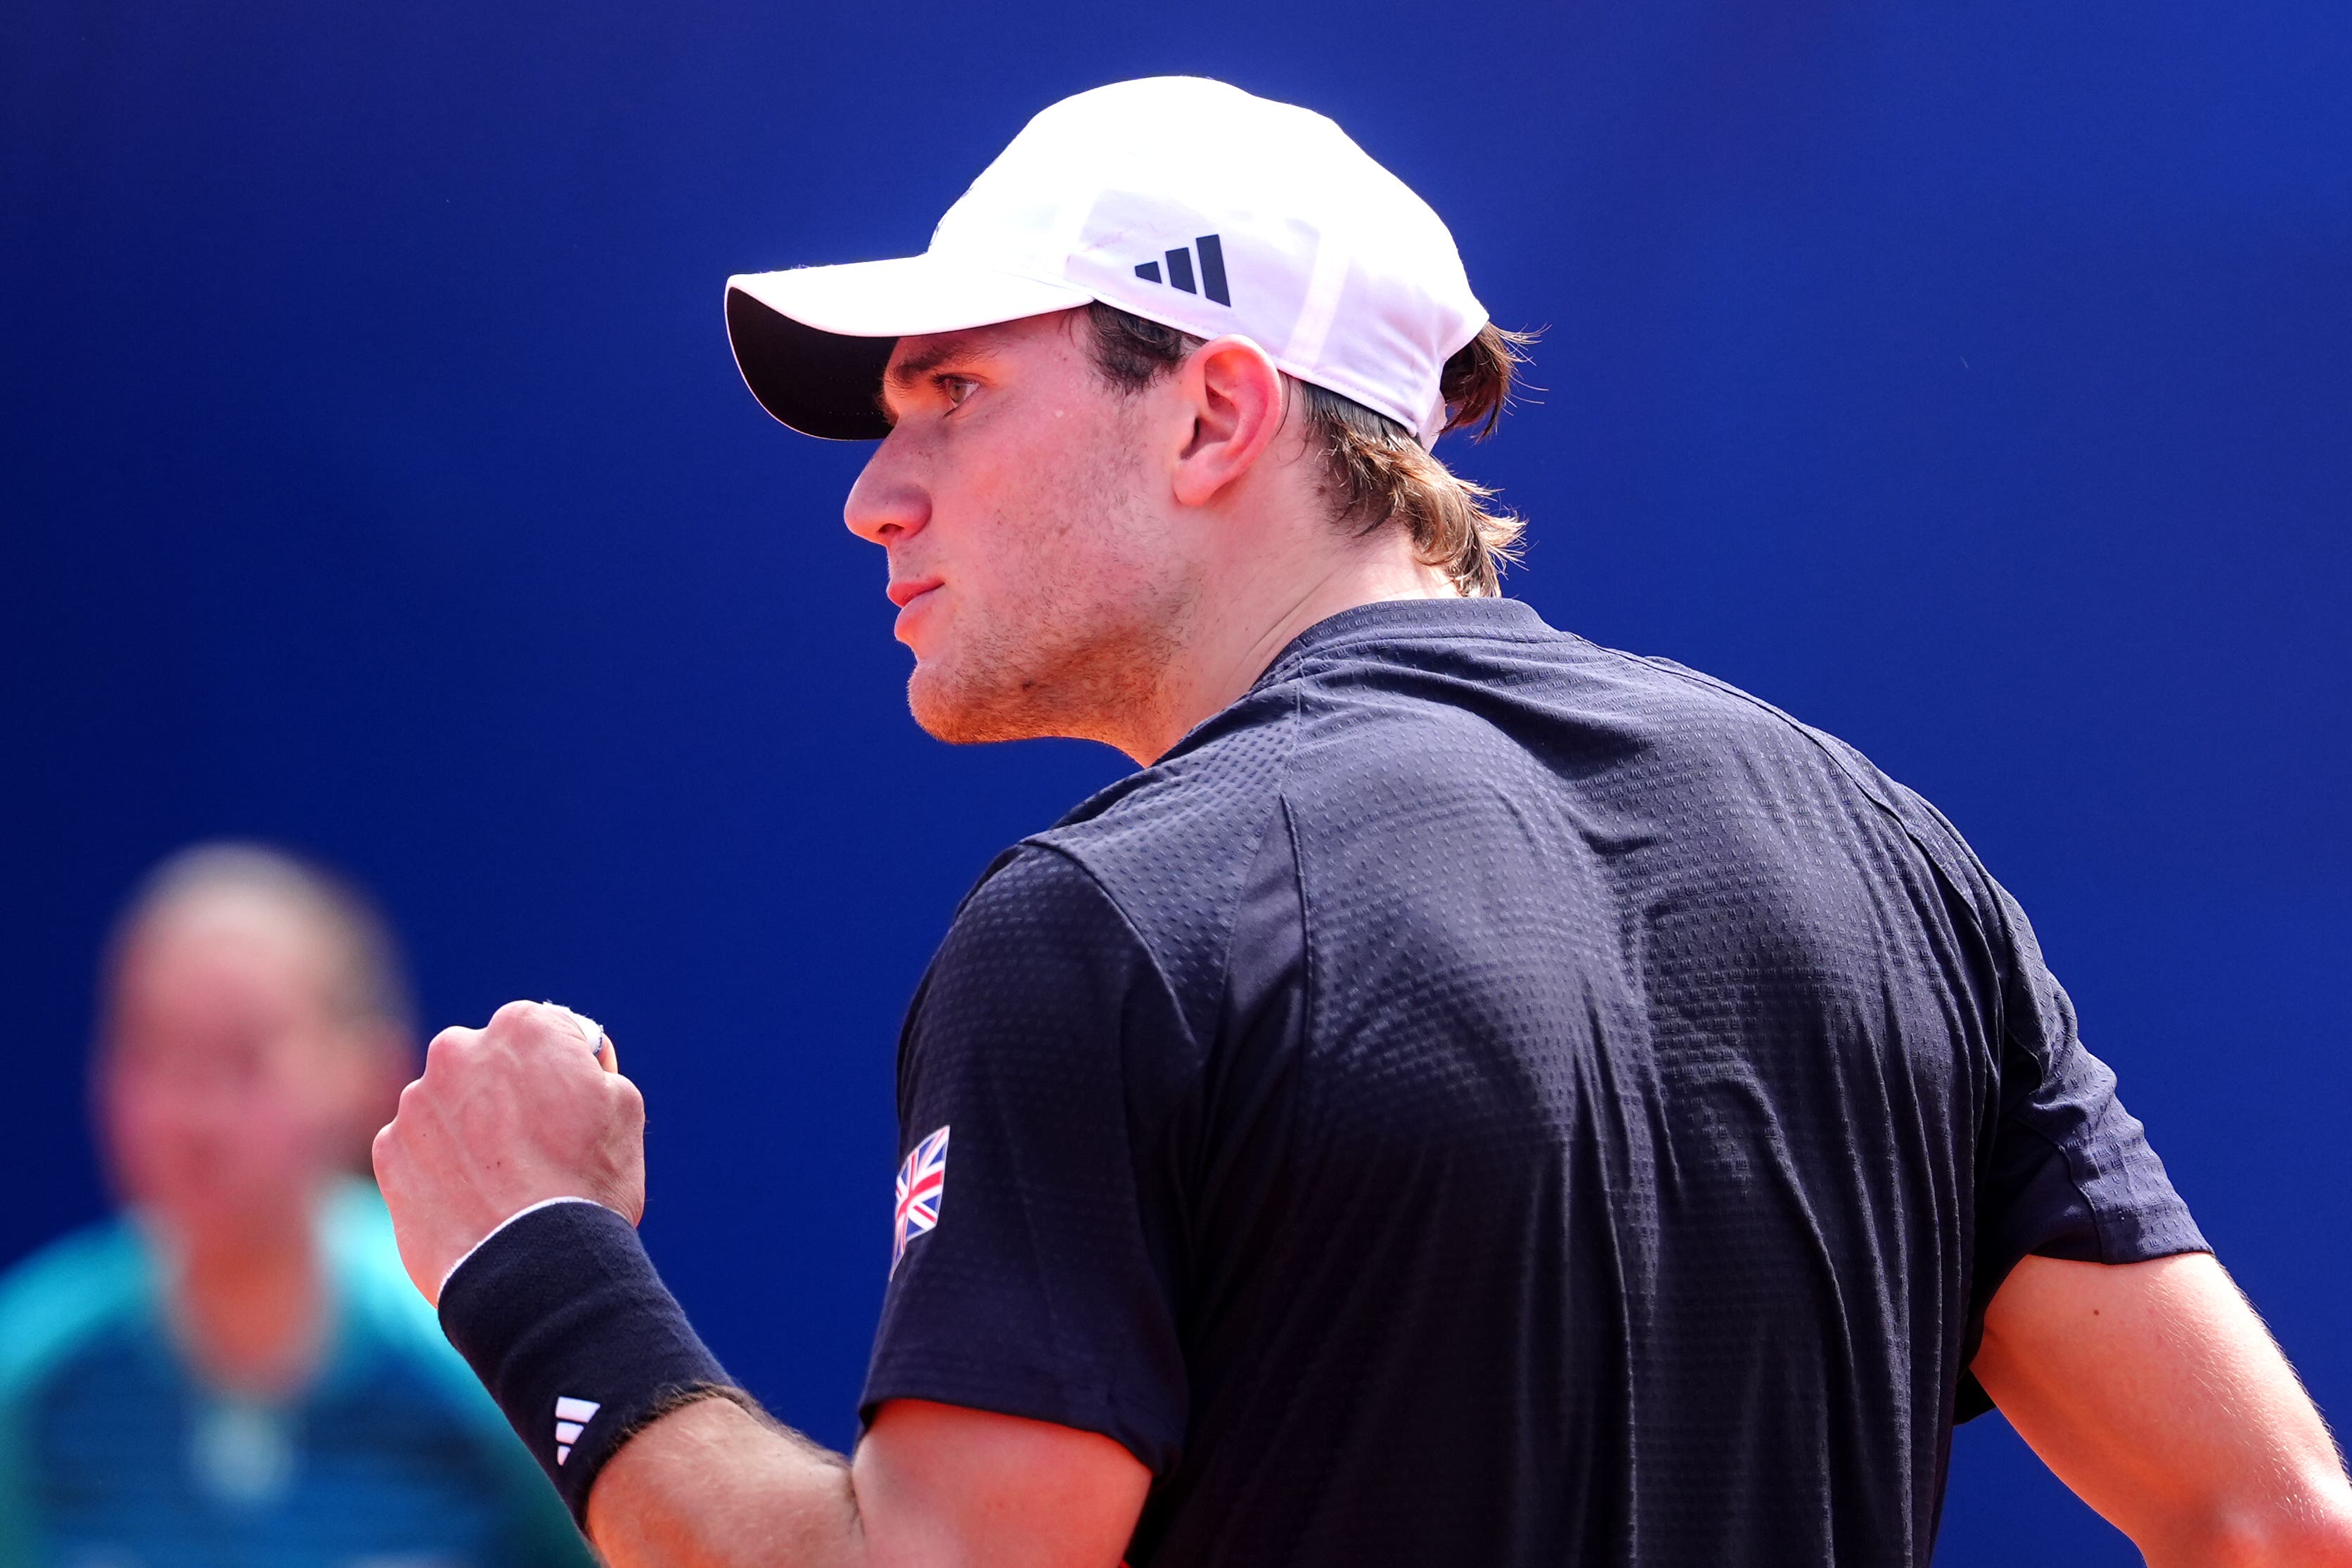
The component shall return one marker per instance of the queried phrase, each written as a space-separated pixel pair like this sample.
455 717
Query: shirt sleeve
2069 1172
1041 1081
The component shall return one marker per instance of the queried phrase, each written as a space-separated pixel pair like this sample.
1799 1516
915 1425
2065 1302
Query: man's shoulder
65 1296
1440 706
1176 837
1144 876
1453 679
1748 730
1453 720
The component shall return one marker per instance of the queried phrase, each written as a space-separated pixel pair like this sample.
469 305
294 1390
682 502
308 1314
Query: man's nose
887 505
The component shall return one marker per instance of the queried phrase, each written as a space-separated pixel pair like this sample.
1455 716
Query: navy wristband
564 1320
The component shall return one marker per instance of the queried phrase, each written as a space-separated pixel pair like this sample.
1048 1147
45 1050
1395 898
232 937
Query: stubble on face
1090 607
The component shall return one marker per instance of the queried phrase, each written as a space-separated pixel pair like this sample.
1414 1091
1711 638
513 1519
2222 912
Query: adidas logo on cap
571 1416
1180 269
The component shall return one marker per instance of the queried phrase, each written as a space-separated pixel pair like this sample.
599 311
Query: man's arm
711 1486
518 1113
2155 1393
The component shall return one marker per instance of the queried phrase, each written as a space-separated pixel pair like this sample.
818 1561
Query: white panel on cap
1326 277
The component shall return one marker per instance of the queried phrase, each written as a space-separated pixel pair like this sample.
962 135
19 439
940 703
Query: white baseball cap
1178 199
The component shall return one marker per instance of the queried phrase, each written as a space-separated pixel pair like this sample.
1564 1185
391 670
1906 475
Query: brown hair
1376 473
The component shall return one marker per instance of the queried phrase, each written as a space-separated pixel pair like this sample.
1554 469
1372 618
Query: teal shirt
113 1456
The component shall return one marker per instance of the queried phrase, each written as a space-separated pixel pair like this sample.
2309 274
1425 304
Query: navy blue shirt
1487 1098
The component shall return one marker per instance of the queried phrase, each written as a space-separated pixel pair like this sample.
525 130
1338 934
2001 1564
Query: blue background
1969 380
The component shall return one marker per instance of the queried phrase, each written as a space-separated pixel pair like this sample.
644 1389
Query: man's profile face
1041 580
227 1079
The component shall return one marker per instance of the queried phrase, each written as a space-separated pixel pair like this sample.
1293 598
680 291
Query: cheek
140 1142
982 537
1065 523
147 1118
1035 523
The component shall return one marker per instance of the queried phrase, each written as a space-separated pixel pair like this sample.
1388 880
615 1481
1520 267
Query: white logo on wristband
571 1416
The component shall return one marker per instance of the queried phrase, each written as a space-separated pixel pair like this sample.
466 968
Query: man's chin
949 710
966 712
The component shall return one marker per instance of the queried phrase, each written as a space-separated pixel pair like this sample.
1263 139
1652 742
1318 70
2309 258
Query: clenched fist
506 1117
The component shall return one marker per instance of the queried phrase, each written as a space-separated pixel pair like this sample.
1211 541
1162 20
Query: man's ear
1235 393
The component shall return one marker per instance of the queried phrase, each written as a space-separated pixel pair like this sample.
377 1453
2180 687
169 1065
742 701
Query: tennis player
1471 1096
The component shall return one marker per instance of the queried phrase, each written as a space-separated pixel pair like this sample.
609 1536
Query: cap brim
811 342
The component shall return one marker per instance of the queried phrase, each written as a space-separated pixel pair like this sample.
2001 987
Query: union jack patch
922 1180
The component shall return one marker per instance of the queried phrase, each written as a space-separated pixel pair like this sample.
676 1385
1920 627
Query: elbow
2321 1542
2305 1543
2308 1533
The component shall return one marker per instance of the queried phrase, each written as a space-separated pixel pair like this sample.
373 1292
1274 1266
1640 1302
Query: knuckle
449 1043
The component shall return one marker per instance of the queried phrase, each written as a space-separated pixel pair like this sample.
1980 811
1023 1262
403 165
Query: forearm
713 1486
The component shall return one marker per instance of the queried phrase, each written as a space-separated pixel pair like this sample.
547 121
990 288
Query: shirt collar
1386 618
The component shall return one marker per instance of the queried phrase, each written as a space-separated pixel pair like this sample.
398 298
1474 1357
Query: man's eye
956 388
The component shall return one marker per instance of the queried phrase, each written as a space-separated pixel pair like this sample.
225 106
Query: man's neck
1233 643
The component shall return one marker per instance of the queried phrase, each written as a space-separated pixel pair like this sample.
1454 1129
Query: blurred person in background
237 1370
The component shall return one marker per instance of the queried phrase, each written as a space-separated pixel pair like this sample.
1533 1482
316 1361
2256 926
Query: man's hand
506 1117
